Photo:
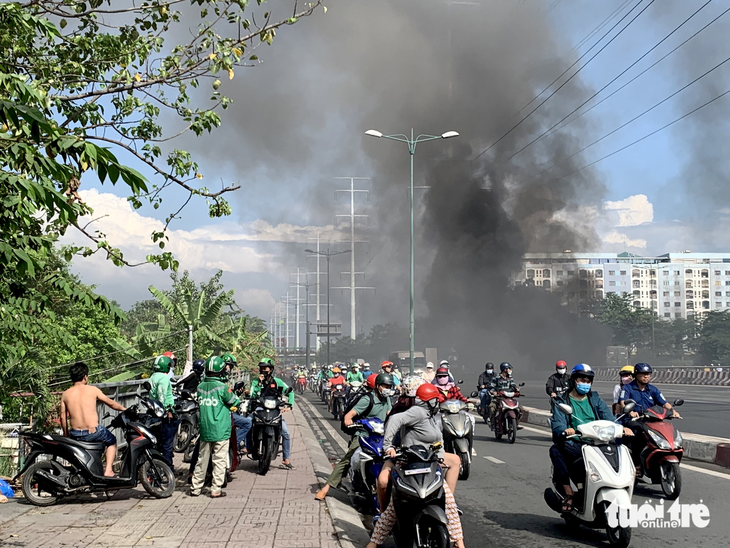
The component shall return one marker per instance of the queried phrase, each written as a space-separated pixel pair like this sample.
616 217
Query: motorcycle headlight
378 428
270 404
509 394
605 433
659 440
593 473
678 440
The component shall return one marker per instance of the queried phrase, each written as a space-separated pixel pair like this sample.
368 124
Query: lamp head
449 134
309 251
373 133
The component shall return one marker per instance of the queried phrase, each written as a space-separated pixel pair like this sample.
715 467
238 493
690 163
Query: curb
696 446
346 520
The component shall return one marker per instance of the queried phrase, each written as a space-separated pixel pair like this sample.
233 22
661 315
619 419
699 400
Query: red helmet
171 355
560 363
386 362
427 392
442 371
371 381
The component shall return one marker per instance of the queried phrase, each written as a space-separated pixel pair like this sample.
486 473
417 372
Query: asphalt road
503 499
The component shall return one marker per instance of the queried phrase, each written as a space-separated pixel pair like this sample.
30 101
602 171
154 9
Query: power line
632 65
572 76
601 25
644 137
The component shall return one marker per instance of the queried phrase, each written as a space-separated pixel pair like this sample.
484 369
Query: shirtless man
78 405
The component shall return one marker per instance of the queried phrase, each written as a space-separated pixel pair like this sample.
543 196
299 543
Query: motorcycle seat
88 446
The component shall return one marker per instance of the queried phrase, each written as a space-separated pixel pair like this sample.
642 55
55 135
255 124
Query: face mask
626 380
561 371
433 405
583 387
490 371
443 381
387 392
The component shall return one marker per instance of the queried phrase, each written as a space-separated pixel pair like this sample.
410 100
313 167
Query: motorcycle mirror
474 394
147 386
461 381
629 406
565 408
521 384
677 403
288 390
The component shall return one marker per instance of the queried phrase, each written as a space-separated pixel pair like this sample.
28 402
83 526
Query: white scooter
609 479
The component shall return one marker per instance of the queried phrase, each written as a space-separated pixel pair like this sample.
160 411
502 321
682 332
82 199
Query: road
503 499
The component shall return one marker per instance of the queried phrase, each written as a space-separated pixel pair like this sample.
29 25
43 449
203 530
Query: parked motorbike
187 410
339 395
660 458
367 461
418 499
507 420
608 479
58 466
266 431
457 425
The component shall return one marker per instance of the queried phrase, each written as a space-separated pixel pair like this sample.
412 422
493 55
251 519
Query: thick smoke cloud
435 66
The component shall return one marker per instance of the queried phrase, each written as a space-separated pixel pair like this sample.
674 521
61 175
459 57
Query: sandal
567 504
218 496
288 466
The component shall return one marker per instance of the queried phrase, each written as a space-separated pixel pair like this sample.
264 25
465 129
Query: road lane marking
335 435
494 460
535 430
705 471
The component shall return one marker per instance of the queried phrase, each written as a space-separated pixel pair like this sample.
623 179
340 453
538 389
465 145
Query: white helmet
429 365
411 383
444 363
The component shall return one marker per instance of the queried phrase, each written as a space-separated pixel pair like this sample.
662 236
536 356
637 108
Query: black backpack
353 403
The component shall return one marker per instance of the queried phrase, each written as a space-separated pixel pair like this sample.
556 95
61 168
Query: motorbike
660 458
301 384
58 466
186 409
608 479
339 395
507 420
457 424
367 461
326 393
266 431
418 499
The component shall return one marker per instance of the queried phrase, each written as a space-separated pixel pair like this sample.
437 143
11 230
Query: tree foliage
373 347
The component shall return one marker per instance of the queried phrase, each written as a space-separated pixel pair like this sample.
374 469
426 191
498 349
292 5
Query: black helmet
504 366
489 365
199 366
384 378
642 368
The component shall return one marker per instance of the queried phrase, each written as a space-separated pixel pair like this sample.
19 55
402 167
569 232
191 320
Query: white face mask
562 371
387 392
490 371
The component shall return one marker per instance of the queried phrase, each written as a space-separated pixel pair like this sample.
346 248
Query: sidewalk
273 511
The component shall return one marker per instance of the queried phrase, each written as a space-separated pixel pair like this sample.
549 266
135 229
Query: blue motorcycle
367 462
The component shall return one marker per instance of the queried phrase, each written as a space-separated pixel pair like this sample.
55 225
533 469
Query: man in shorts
78 406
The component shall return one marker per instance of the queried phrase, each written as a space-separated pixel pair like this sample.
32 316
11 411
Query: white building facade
676 285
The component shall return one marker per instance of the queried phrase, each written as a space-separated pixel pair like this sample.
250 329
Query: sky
298 119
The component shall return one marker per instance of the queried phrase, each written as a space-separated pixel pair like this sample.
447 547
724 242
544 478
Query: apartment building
676 285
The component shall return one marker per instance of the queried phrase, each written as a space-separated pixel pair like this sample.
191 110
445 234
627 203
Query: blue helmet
199 366
504 366
582 370
642 368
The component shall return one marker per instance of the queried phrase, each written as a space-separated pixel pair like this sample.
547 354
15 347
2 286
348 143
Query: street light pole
411 142
306 287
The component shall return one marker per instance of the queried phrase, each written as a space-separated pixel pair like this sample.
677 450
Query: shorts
101 435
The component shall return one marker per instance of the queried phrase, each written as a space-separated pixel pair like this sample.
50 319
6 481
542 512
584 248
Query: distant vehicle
403 360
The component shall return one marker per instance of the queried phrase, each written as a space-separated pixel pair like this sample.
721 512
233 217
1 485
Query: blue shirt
645 399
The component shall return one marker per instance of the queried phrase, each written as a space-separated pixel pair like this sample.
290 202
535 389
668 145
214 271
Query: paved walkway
273 511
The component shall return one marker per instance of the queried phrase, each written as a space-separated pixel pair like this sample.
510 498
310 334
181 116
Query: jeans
243 427
285 440
100 435
485 397
168 430
565 457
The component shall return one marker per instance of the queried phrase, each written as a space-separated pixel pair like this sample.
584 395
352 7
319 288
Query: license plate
416 471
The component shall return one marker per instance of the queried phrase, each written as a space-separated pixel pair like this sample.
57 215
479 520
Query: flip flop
289 466
219 495
567 505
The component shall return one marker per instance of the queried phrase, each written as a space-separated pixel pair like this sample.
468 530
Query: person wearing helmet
557 383
387 368
445 365
161 391
375 404
268 385
503 381
354 375
646 396
173 364
216 401
366 371
626 375
409 386
483 384
587 406
191 381
448 389
338 378
430 373
418 425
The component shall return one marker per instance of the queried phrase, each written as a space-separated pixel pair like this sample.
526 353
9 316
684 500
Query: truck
403 360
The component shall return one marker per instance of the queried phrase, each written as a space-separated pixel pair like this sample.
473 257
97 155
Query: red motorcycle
660 458
508 416
301 384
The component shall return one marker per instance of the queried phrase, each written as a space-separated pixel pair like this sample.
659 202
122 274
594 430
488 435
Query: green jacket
256 389
354 377
215 399
161 390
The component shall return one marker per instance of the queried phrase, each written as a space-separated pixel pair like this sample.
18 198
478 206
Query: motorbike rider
429 374
587 406
626 376
216 401
78 406
557 383
444 363
366 371
646 396
378 402
503 381
387 368
418 425
338 378
354 375
191 381
161 391
268 385
484 382
240 423
448 390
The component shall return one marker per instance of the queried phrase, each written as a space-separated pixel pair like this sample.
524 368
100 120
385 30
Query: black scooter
58 466
266 430
187 409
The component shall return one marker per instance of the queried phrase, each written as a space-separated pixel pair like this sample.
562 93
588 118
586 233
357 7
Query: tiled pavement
273 511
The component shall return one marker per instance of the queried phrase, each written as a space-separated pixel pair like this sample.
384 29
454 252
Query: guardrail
713 376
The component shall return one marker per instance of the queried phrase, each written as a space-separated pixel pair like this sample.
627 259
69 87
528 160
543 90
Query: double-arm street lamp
328 255
411 142
306 287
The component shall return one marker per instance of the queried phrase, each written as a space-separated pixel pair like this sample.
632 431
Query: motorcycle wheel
511 429
433 535
32 489
267 454
158 482
188 453
183 436
465 467
497 428
671 479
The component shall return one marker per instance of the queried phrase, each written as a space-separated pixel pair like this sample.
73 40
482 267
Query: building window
559 282
705 294
688 284
665 283
706 305
530 273
583 284
599 294
717 272
717 282
667 304
546 273
727 305
583 273
636 283
718 293
705 273
623 273
676 282
665 272
727 273
636 294
688 272
624 282
677 305
652 273
635 274
705 283
546 284
611 272
667 314
679 315
599 284
612 283
718 305
584 294
559 273
571 272
727 282
690 294
599 273
676 272
637 303
665 294
677 293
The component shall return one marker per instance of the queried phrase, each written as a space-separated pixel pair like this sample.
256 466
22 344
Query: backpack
353 403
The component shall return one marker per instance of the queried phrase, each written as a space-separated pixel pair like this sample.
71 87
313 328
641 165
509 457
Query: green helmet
229 359
214 366
267 362
161 364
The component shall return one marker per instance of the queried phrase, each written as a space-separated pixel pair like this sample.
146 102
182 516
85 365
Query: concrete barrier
696 446
675 375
